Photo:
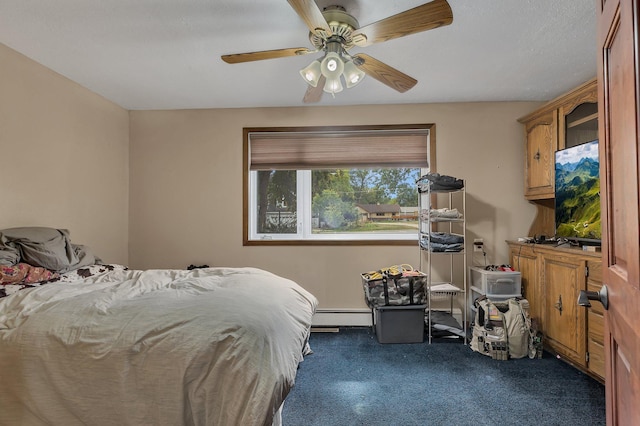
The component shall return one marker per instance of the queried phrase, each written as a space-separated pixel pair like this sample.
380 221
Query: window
338 184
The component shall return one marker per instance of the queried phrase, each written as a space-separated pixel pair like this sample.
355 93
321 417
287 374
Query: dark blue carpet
351 379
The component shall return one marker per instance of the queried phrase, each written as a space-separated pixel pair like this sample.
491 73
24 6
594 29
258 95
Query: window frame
330 239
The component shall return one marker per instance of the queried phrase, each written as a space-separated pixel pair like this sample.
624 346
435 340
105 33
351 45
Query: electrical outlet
478 245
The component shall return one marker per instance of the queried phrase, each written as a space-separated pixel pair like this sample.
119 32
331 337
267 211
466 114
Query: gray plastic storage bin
499 285
400 324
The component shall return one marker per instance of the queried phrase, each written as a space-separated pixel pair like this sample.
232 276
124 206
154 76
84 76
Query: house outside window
344 185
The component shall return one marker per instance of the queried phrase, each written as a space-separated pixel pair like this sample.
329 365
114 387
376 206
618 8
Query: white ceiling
165 54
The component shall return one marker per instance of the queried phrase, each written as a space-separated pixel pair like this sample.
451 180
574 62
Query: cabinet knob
602 296
537 156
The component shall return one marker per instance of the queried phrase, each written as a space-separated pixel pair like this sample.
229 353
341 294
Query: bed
105 345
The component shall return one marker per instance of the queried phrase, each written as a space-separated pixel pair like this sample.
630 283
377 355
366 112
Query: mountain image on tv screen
577 191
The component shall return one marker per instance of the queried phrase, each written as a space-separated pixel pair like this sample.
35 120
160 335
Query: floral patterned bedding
22 275
36 255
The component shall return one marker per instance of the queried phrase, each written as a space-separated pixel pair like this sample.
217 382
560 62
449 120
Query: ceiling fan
334 32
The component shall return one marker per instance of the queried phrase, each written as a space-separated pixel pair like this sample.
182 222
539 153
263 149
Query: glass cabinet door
581 124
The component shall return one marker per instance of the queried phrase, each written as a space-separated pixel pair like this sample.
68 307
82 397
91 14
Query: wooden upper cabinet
578 117
568 120
541 144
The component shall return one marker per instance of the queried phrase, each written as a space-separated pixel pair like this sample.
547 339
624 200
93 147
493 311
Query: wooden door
564 323
524 260
541 144
618 111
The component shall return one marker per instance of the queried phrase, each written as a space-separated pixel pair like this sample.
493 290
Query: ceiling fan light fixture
332 66
333 85
311 73
352 74
334 31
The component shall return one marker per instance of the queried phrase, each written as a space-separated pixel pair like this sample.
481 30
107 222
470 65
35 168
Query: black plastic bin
400 324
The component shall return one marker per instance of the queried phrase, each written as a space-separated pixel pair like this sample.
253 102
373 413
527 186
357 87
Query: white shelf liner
445 288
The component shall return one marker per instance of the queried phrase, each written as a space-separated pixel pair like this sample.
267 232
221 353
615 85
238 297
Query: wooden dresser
552 278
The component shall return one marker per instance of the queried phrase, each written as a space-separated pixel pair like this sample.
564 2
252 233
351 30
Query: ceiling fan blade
237 58
314 94
426 17
384 73
312 16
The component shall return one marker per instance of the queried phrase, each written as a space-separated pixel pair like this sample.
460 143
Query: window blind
280 150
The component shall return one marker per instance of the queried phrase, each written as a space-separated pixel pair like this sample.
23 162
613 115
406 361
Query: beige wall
167 185
64 157
186 188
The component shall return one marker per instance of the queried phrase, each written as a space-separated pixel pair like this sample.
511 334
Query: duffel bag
394 286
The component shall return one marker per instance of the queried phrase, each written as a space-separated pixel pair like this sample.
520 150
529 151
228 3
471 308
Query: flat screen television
577 188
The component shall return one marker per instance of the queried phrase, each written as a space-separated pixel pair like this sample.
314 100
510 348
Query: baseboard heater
352 317
341 317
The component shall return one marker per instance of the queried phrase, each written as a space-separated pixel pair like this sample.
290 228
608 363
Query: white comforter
216 346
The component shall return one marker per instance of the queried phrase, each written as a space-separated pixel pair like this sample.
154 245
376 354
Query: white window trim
304 227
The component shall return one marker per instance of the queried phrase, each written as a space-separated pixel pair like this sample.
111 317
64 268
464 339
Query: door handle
602 296
558 304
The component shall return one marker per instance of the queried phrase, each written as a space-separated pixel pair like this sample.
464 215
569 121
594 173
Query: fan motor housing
342 25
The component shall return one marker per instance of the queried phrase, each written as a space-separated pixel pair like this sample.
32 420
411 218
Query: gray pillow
86 257
40 246
9 256
37 234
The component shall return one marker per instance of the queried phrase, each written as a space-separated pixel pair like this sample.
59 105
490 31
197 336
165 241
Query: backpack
502 330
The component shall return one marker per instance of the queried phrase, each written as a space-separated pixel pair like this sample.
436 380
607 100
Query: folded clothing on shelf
443 213
442 242
438 182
